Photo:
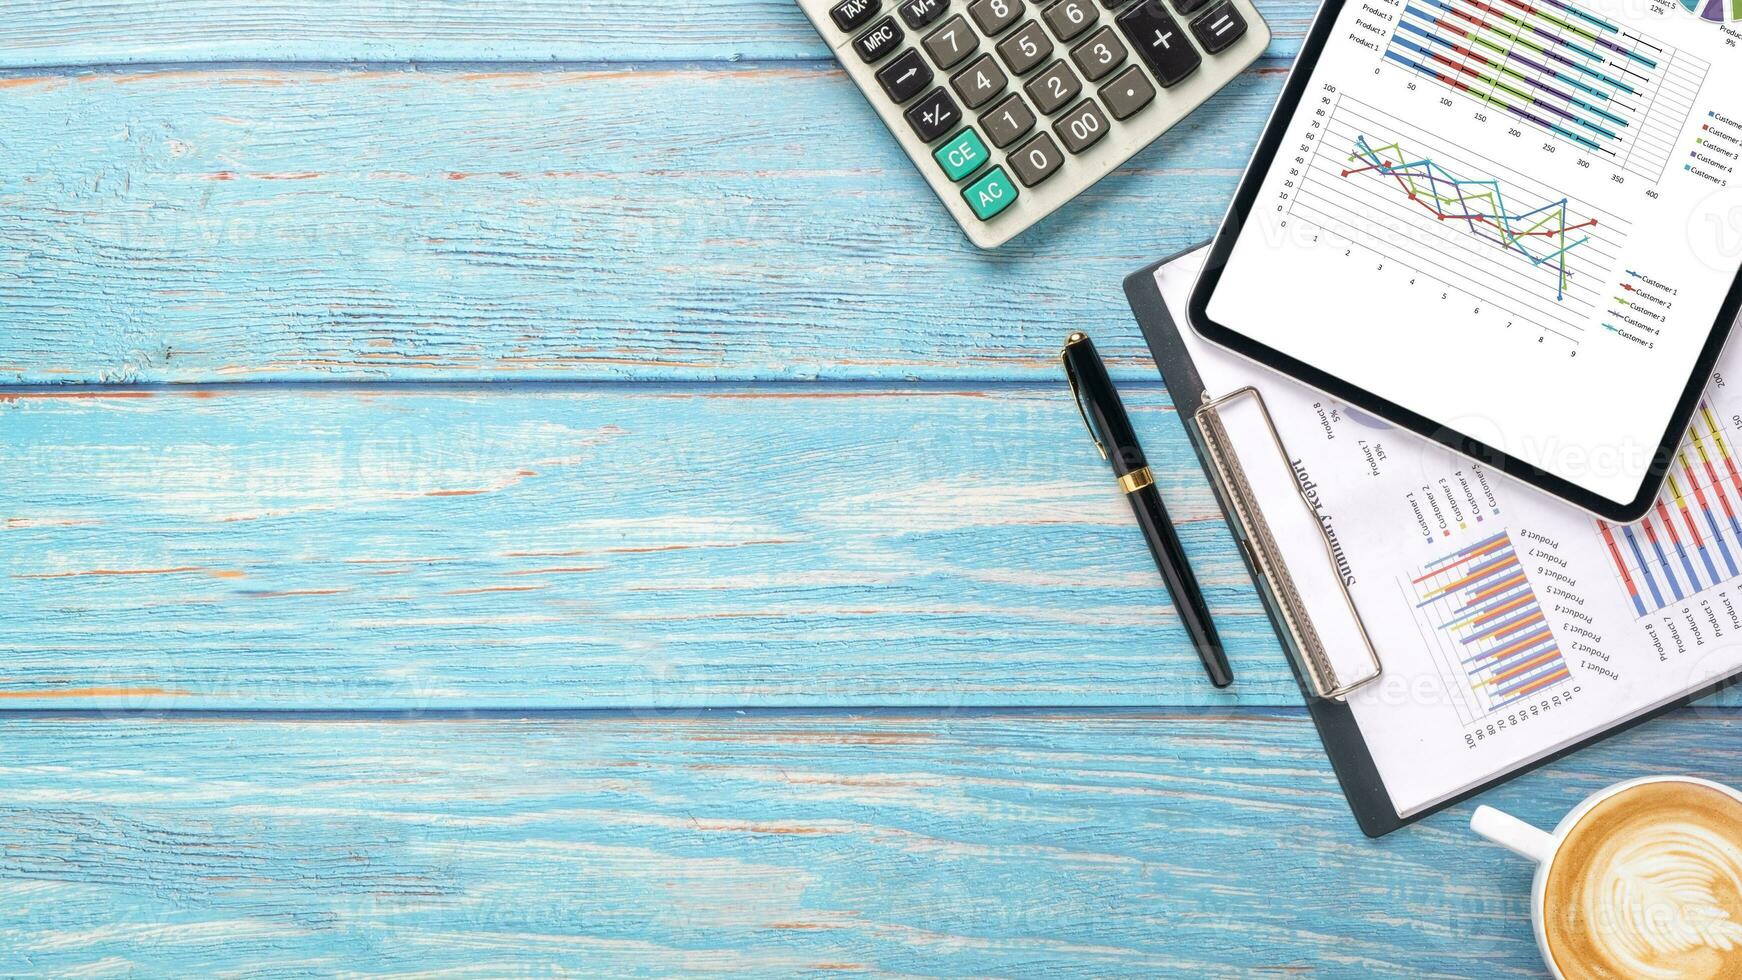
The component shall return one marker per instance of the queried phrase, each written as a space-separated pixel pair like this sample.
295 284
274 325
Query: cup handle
1512 833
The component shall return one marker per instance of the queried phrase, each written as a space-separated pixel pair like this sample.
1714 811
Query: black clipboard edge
1353 764
1350 760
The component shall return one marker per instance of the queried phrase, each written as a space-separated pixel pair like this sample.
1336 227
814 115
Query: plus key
1164 45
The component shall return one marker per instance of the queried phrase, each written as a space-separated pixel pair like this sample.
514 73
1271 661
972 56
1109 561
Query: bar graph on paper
1692 539
1611 92
1481 613
1515 243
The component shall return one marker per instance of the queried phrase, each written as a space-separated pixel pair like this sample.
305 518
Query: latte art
1649 884
1661 897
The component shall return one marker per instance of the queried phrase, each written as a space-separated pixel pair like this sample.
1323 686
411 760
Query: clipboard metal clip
1267 556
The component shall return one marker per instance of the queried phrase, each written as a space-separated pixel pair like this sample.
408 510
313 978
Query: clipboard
1274 569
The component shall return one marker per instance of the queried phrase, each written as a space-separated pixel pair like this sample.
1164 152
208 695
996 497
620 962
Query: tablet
1511 226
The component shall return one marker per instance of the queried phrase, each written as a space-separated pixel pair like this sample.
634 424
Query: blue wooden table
540 487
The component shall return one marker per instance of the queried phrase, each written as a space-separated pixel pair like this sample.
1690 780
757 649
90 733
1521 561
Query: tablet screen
1516 218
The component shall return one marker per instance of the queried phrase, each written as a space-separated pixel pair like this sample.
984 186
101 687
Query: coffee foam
1649 884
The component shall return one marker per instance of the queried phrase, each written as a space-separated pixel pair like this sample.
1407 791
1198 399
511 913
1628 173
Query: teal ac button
990 194
962 155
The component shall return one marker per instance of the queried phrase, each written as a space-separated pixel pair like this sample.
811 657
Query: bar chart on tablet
1509 240
1561 69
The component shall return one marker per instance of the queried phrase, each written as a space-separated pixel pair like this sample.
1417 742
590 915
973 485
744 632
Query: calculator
1010 109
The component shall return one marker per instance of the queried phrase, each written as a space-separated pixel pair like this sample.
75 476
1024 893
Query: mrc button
882 38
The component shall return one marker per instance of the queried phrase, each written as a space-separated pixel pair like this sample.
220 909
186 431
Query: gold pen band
1136 480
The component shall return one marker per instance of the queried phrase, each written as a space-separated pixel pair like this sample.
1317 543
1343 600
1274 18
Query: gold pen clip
1076 395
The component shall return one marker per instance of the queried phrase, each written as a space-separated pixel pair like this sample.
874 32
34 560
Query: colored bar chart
1692 539
1717 11
1610 91
1492 633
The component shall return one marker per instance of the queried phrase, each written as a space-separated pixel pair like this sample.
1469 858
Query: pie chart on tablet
1716 10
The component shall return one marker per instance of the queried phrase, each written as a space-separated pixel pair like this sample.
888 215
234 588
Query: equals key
1219 27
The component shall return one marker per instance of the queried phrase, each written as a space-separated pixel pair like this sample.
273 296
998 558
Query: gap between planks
101 389
1198 713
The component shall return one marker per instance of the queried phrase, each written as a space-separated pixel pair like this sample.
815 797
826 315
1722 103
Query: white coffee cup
1541 846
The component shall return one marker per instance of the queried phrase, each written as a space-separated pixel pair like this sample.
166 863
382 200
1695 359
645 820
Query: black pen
1102 411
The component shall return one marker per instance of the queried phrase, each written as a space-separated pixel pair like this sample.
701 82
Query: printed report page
1510 624
1518 218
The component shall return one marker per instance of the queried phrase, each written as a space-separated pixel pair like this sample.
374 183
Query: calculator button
1068 18
1100 54
962 155
1187 8
1053 88
1036 160
980 82
1219 27
1082 127
918 13
949 44
1008 121
877 42
850 15
1128 93
934 115
991 194
994 16
1028 47
1161 42
905 77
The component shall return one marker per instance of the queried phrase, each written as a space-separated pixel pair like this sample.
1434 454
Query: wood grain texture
402 547
684 196
38 33
685 223
1203 844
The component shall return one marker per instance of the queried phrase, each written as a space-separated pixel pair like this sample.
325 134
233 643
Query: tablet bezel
1269 144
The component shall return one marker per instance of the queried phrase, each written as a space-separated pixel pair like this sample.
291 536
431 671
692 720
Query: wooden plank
679 224
401 547
1208 844
38 33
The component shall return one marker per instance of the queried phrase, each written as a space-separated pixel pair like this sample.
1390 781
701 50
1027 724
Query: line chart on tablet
1514 243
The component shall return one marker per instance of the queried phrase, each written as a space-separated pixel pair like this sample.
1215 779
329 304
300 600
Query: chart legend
1609 91
1692 539
1481 613
1640 308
